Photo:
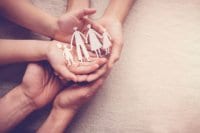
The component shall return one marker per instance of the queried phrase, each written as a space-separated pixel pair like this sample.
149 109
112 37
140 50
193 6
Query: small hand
69 20
77 72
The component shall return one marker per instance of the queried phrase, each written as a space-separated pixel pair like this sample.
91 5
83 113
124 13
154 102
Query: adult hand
39 83
114 28
75 96
66 105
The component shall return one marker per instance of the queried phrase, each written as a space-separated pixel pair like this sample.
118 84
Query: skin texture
39 86
29 16
31 50
35 93
66 104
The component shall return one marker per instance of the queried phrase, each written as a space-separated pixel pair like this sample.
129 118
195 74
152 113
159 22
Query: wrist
49 49
108 18
27 101
73 5
15 107
57 33
58 120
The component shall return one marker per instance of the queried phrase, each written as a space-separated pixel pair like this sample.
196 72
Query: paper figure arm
71 43
108 35
97 34
86 40
83 36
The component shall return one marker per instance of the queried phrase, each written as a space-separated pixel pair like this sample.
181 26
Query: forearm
58 120
24 13
12 51
73 5
118 9
15 106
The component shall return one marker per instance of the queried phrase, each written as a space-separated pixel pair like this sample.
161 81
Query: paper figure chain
93 38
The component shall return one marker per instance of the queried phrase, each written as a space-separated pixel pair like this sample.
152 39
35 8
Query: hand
77 72
39 83
69 20
73 97
114 28
66 104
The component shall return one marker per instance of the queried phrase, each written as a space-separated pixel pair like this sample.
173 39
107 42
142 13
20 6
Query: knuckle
85 94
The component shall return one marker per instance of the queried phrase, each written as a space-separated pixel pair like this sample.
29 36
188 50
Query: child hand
76 72
69 20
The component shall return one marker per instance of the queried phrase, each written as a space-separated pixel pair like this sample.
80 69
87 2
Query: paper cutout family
92 38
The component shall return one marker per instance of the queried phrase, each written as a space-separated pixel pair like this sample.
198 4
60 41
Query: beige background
154 88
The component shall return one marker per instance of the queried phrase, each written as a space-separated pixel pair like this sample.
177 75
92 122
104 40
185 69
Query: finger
55 73
84 69
97 84
82 78
97 74
92 55
115 54
95 60
88 91
66 74
99 28
91 89
88 67
85 12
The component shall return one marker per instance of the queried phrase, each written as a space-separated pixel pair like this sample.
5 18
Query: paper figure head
75 28
89 26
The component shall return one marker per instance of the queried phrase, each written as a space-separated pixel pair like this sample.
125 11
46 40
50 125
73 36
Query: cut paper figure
68 56
106 41
94 42
66 53
80 44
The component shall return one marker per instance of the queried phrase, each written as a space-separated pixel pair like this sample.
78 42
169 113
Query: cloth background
154 88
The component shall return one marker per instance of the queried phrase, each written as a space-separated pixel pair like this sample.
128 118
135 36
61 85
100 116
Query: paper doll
80 45
106 41
95 44
68 56
66 53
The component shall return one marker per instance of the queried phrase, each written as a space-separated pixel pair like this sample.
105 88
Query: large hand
114 27
69 20
66 105
40 84
75 96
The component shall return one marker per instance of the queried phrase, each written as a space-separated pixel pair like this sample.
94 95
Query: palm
67 22
115 30
75 96
40 84
73 19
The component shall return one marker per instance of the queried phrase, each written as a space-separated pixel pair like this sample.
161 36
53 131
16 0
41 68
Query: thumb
85 12
66 74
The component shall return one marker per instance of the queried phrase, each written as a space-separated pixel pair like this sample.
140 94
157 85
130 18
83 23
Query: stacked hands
50 81
73 68
68 70
67 59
